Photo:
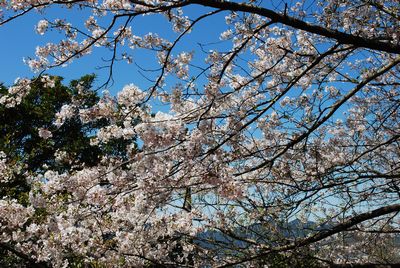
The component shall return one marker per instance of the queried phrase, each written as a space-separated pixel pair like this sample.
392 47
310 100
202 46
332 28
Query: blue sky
20 40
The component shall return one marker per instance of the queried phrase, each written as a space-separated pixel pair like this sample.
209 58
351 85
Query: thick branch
349 223
353 221
341 37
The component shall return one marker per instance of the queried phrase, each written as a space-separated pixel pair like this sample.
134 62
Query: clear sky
19 41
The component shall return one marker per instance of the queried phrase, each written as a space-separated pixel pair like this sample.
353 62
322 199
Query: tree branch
350 222
341 37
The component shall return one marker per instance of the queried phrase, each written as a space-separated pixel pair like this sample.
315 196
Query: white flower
42 26
226 35
66 112
48 81
97 32
130 95
44 133
285 101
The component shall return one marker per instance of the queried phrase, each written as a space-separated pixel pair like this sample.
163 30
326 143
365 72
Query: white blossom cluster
16 93
292 114
66 112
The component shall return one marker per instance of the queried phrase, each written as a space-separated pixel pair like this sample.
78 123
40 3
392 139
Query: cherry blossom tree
31 141
291 116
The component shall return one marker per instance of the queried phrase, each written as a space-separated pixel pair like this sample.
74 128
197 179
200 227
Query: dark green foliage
7 259
20 141
19 125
